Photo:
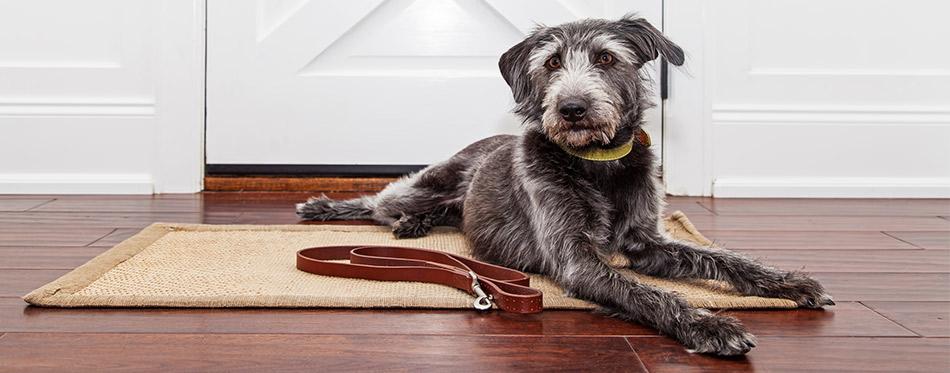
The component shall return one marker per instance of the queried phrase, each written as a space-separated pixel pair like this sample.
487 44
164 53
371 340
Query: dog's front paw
804 290
316 208
717 334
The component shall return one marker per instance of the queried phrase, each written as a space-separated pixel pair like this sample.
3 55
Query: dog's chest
628 200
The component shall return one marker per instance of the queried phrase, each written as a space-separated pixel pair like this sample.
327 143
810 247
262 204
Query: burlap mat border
61 292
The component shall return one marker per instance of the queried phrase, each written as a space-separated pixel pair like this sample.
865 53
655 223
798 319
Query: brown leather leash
506 288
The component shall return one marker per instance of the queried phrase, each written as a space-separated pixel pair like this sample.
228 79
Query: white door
101 96
370 82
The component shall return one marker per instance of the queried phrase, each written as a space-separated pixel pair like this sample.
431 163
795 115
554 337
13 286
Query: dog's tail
323 208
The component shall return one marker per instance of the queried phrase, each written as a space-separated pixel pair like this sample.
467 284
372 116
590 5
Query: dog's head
581 81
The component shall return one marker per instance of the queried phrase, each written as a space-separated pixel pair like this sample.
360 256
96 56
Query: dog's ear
514 66
648 42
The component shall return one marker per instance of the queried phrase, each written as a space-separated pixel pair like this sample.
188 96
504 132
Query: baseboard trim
76 184
832 187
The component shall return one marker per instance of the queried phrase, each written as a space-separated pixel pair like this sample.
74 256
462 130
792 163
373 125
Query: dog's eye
606 58
554 62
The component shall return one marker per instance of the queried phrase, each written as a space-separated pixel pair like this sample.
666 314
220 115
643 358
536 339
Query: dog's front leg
676 259
585 277
571 233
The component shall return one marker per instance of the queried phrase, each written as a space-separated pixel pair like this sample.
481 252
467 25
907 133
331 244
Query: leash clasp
482 301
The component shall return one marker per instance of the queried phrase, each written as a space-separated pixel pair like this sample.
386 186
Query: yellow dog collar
612 154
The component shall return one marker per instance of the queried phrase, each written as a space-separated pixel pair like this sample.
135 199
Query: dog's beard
598 128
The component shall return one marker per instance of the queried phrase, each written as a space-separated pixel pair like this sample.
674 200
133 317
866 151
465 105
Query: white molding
178 155
77 109
864 115
849 72
831 187
76 183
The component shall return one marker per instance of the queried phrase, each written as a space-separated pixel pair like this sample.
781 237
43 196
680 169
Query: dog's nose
572 109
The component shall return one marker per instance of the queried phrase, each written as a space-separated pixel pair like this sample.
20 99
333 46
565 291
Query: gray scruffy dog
555 200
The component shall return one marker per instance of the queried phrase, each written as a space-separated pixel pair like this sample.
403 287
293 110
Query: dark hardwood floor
887 263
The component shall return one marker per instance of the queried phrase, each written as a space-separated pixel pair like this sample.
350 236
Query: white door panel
813 98
402 82
101 96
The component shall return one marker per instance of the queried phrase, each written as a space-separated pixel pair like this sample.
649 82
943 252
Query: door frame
687 112
179 135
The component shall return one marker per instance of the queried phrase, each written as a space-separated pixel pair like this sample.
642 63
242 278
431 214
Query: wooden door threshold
245 183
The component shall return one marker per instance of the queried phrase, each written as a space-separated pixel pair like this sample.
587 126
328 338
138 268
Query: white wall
101 96
810 99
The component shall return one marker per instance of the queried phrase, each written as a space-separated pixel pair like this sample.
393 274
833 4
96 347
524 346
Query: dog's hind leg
323 208
677 259
410 205
386 207
413 204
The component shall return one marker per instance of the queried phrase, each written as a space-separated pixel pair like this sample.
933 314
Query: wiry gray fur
525 203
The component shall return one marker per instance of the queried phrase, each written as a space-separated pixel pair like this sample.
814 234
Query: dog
577 188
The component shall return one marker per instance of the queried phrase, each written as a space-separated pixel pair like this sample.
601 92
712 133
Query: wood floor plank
17 316
853 207
909 261
117 236
926 240
269 352
109 219
212 198
156 203
688 205
50 235
202 202
283 202
43 257
886 286
262 202
780 354
828 240
22 204
846 319
288 216
820 223
19 282
929 319
269 217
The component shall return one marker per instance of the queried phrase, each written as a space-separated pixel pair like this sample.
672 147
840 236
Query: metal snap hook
482 301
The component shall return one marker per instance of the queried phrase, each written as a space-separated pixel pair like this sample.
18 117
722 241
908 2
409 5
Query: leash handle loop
490 284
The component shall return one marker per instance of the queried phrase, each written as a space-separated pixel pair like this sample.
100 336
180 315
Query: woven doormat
197 265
